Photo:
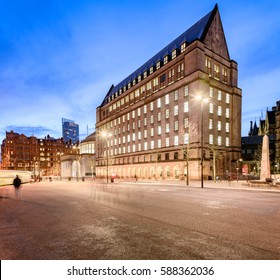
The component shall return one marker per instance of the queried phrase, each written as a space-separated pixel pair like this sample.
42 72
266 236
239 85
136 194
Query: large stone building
149 125
40 155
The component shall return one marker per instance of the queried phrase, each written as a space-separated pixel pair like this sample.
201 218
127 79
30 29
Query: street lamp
106 135
202 101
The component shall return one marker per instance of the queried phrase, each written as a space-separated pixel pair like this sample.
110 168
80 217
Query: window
186 91
149 85
159 116
176 140
152 132
151 69
227 141
227 112
167 99
158 65
216 71
219 140
210 123
219 125
167 156
186 122
167 113
176 125
227 98
152 144
145 74
155 81
152 119
186 138
211 108
159 103
211 139
183 47
176 95
219 112
151 106
176 110
219 95
211 92
159 143
167 128
224 75
167 142
176 155
165 59
227 127
186 107
208 66
174 54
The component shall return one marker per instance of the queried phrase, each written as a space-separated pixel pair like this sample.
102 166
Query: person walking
17 185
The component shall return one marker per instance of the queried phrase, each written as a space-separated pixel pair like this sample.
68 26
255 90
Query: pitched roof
196 32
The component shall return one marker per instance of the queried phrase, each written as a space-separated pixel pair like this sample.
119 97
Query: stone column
265 164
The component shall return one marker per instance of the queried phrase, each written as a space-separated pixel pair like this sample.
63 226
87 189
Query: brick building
41 156
149 125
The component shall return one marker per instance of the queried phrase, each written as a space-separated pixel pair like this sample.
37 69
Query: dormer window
120 91
174 53
129 85
124 89
134 82
183 47
151 69
139 78
165 59
145 74
158 65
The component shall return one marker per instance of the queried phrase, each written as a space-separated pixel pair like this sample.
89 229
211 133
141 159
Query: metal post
202 142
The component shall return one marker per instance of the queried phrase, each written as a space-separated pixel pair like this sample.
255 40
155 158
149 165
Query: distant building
70 131
83 164
151 124
39 155
251 145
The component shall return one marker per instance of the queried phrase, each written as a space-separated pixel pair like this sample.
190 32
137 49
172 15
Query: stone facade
153 120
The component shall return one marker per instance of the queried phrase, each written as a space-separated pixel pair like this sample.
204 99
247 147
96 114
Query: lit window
216 71
139 112
165 59
176 125
145 74
158 65
149 85
186 107
145 146
139 78
219 95
159 130
219 140
176 140
227 141
159 143
159 116
186 91
219 125
152 106
186 138
186 122
211 92
219 112
167 99
227 127
211 139
159 103
176 110
167 142
210 124
167 128
152 144
227 112
227 98
208 66
145 109
211 108
152 119
176 95
151 69
174 54
183 47
155 81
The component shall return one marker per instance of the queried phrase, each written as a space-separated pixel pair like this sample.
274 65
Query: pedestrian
17 185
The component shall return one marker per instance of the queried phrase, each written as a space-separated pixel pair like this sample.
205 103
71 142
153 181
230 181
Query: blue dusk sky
58 58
